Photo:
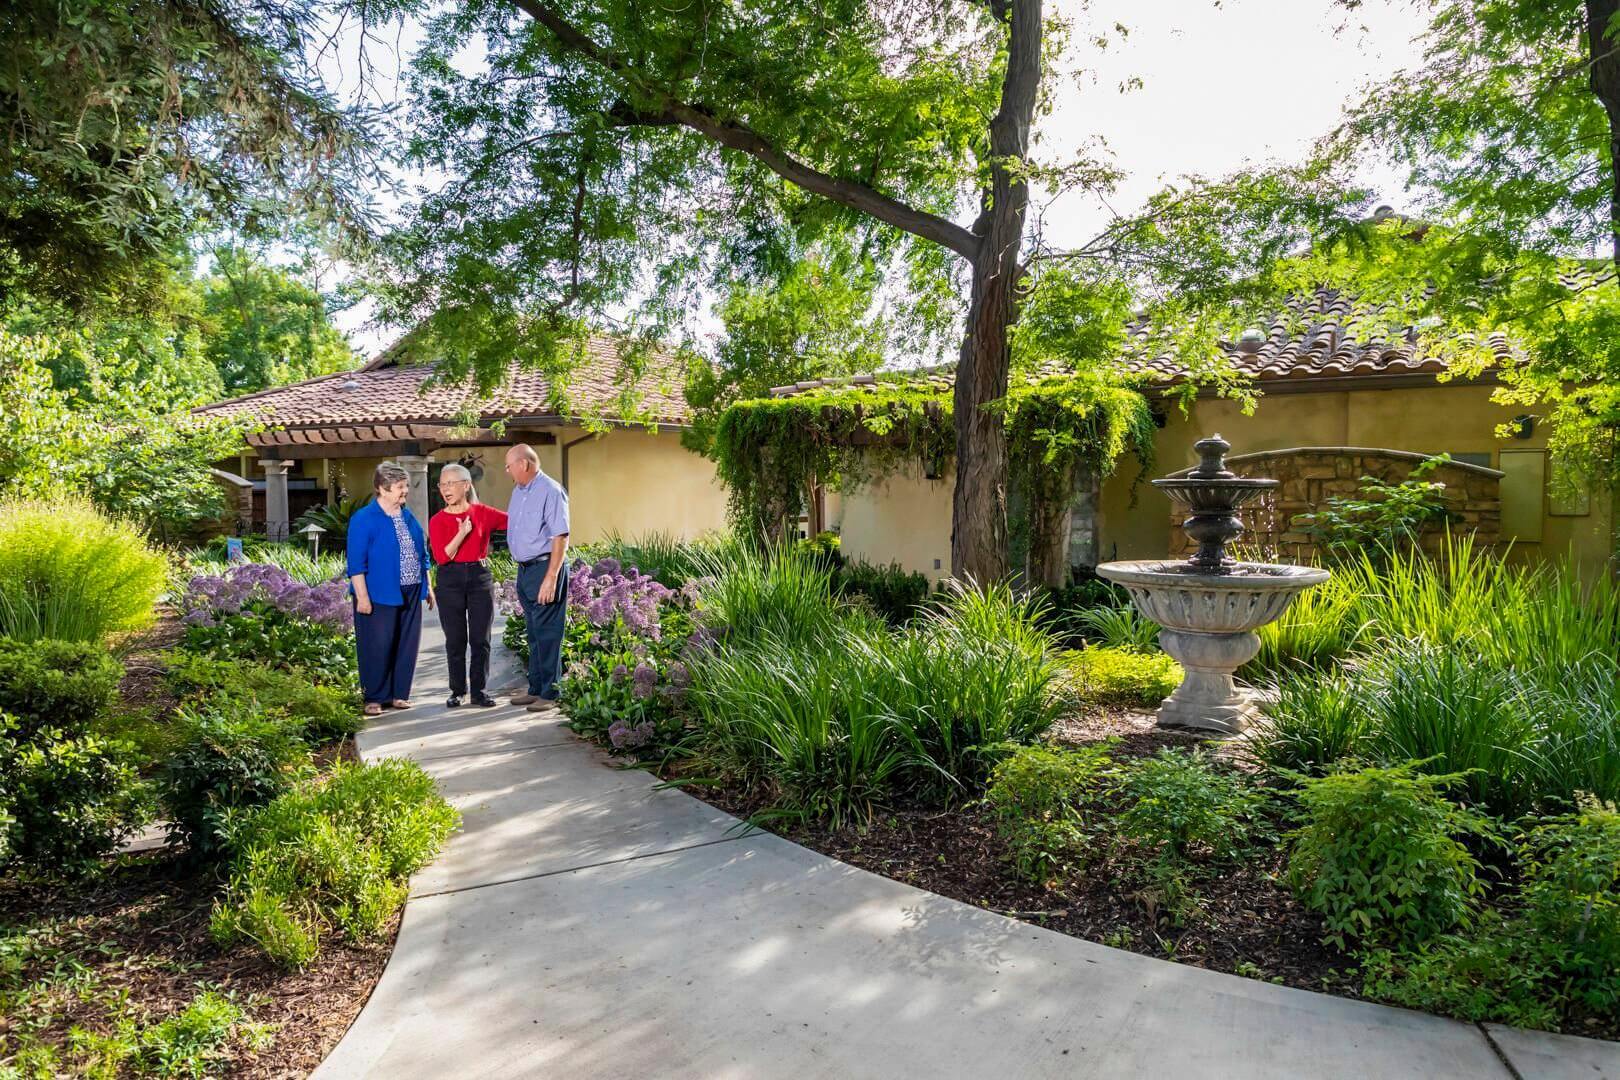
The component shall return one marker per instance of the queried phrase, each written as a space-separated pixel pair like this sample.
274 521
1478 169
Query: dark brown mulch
143 686
144 927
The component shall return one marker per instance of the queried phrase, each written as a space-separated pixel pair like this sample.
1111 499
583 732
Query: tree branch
672 112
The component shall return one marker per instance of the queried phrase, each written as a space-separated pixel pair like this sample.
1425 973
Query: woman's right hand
466 525
363 606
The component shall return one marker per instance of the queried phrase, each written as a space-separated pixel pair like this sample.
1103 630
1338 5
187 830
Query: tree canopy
263 326
1505 262
133 124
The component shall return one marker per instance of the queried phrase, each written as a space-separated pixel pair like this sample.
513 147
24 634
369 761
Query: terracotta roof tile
387 391
1323 350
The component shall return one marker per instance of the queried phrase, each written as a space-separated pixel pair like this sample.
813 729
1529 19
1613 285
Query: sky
1223 85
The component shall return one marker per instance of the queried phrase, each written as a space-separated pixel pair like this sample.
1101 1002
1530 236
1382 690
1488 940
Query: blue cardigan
374 552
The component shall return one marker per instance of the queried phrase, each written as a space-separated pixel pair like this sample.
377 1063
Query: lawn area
243 937
1427 817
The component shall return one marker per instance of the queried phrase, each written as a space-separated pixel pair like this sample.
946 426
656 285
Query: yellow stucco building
1330 408
329 433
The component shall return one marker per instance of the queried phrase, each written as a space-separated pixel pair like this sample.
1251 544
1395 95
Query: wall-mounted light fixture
1523 426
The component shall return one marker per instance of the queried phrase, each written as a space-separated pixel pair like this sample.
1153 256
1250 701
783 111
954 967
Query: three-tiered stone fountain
1209 606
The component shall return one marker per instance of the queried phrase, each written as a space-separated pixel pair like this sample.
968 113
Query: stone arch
1309 476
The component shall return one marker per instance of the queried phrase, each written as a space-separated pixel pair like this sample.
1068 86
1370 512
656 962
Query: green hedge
60 684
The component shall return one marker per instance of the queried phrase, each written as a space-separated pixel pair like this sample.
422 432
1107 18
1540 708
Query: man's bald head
522 463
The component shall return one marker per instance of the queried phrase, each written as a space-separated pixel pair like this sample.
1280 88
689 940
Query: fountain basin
1208 622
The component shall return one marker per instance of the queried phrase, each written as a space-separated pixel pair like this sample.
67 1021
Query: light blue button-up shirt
537 514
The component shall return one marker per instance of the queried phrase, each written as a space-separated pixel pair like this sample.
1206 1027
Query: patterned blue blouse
410 563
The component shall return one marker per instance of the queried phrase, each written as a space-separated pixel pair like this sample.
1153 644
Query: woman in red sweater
459 538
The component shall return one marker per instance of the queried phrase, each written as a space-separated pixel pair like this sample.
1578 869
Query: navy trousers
386 641
543 626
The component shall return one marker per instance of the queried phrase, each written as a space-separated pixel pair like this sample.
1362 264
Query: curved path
585 925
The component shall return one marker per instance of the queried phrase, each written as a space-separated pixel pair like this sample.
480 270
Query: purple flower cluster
625 736
607 591
643 681
209 597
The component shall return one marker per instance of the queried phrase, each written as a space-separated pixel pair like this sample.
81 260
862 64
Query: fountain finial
1212 458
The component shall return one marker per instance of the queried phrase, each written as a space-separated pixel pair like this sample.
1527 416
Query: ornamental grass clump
783 594
71 573
836 720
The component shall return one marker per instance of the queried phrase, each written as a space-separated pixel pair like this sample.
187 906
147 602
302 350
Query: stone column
1083 519
277 516
417 466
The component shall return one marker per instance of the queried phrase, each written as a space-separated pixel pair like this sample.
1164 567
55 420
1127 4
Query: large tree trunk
979 508
1605 80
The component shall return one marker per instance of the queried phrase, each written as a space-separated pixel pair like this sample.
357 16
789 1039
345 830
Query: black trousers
466 607
386 642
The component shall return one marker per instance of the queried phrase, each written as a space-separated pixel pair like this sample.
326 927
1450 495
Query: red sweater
443 526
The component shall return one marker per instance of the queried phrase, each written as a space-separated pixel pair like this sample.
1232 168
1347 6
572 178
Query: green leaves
132 125
1379 854
265 327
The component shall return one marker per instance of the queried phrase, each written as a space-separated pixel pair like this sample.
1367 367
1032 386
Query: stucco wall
633 482
904 518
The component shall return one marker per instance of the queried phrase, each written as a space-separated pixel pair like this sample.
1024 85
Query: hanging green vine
1058 427
769 449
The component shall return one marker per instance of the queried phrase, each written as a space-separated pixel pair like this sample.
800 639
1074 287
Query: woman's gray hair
387 475
455 471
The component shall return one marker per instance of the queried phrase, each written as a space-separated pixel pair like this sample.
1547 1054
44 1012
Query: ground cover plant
330 858
1123 677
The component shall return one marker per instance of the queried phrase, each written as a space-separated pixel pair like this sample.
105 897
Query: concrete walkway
584 925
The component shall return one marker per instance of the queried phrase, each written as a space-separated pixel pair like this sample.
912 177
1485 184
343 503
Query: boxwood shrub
59 684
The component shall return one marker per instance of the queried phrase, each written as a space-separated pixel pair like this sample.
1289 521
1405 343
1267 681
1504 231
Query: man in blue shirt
537 535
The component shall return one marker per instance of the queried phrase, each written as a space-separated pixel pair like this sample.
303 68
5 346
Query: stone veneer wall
1310 476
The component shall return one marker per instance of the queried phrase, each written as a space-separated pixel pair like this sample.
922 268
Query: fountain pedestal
1210 606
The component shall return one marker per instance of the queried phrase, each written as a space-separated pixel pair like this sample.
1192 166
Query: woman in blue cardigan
388 571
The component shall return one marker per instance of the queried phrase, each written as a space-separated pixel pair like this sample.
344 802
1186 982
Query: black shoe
484 701
454 702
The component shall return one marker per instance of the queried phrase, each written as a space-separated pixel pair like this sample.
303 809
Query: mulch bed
1246 921
143 685
143 927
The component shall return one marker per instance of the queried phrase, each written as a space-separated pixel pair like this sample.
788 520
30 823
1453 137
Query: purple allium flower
679 675
644 681
624 736
608 567
618 673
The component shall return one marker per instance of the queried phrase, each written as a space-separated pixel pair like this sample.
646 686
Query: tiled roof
389 391
1324 349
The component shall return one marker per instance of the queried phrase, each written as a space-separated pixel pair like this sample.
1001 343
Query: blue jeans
543 625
